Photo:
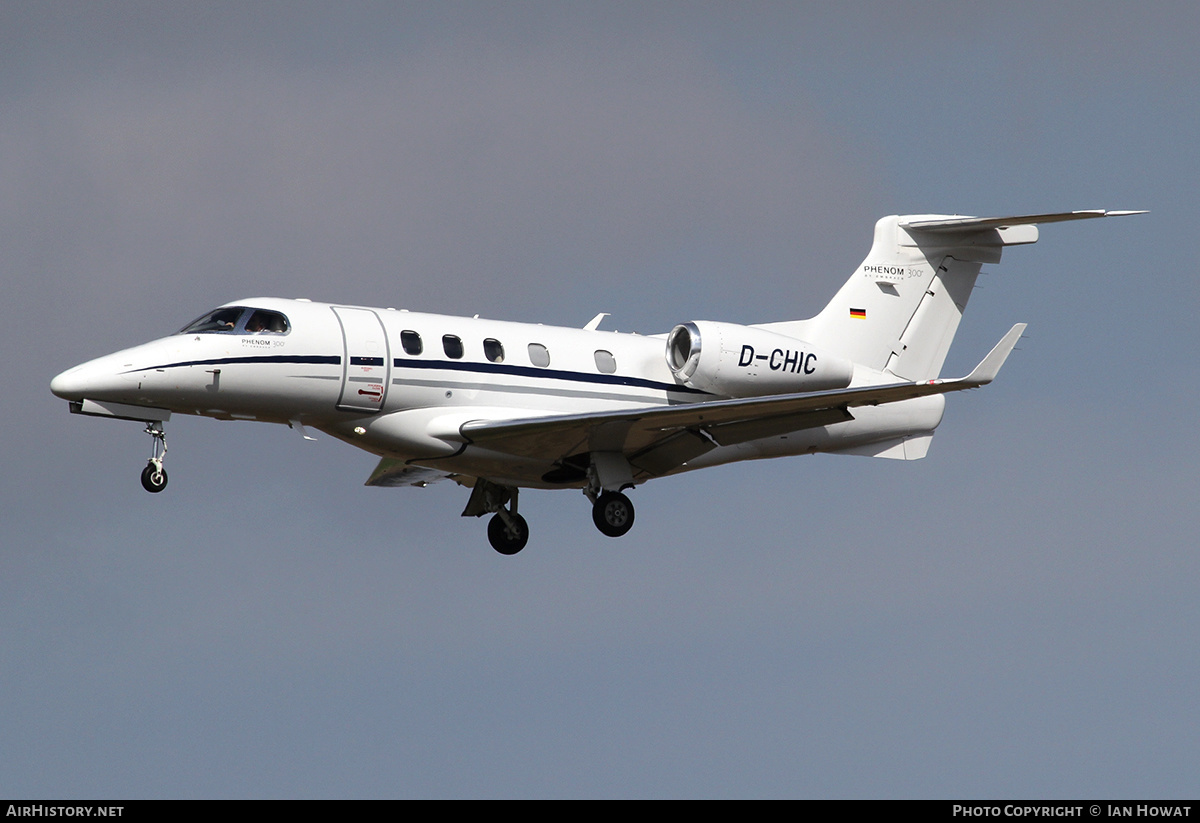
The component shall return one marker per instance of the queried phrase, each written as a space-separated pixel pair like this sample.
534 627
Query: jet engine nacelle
742 361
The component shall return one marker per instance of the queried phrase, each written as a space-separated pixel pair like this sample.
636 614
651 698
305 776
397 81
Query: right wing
657 439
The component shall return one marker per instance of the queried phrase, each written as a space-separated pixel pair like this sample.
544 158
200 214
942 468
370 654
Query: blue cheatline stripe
447 365
553 374
320 359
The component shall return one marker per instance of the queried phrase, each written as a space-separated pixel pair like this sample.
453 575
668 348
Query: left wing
657 439
391 472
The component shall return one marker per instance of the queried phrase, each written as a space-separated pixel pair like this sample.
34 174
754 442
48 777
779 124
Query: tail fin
900 309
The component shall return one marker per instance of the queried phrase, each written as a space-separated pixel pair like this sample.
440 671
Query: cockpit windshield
238 320
266 321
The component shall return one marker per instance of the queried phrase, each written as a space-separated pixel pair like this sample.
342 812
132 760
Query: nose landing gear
154 477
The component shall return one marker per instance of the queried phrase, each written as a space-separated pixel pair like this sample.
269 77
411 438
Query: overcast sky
1015 615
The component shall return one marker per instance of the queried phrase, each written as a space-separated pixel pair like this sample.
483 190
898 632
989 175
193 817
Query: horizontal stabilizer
982 223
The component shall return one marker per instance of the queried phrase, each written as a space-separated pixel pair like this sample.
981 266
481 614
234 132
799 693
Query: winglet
989 367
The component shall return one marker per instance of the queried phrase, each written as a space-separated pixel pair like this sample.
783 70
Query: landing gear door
366 361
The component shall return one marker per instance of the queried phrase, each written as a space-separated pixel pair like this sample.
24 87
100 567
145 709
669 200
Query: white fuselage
359 374
498 406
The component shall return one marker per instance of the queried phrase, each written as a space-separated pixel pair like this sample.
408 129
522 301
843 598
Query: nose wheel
154 477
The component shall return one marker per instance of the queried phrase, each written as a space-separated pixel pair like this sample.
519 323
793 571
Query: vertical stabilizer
900 309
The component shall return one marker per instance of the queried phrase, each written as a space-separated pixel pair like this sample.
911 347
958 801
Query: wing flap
742 431
671 451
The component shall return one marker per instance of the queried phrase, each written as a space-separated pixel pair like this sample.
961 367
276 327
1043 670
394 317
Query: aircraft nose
96 380
116 377
70 384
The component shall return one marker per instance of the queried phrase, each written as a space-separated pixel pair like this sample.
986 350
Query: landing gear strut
154 477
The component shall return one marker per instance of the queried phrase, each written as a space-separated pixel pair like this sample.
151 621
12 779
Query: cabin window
411 341
493 350
539 355
605 362
266 322
218 321
453 346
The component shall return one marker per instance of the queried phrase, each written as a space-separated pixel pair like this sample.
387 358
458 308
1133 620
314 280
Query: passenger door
366 360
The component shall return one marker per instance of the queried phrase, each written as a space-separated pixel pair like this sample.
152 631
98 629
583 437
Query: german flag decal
858 314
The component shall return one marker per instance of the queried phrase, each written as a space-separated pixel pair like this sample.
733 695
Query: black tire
613 514
154 480
499 538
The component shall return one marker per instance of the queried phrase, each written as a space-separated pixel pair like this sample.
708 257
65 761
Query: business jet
499 406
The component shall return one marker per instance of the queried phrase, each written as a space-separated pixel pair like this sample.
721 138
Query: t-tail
900 309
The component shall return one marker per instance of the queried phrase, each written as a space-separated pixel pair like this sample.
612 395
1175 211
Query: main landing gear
612 513
507 531
154 477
